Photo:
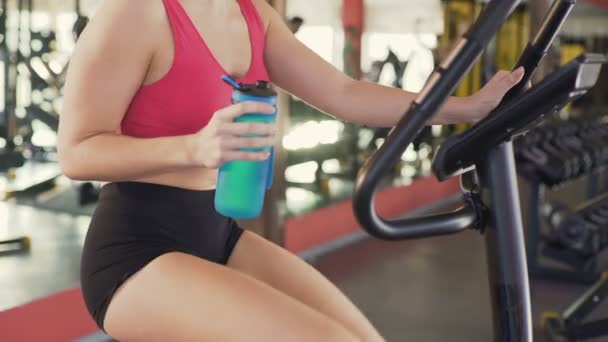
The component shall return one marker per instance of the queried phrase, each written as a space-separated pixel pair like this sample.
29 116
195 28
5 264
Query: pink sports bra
185 99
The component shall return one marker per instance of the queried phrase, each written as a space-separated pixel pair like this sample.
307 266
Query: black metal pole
506 254
534 220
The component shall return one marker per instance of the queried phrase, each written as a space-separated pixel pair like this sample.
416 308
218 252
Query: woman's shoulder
137 21
126 25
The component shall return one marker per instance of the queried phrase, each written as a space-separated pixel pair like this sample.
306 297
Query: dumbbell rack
571 324
535 239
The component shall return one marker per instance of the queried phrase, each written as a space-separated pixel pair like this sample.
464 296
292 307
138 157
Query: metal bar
536 193
587 303
506 255
313 254
440 86
537 10
541 42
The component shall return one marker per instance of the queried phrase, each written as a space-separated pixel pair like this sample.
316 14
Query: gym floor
426 290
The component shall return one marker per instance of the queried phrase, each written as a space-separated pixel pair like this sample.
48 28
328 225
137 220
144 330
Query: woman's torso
197 44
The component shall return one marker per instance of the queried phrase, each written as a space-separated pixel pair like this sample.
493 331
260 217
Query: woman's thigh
178 297
289 274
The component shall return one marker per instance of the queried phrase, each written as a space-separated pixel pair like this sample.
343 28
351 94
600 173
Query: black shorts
135 223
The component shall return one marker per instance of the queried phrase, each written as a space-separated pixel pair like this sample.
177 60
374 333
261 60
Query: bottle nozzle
231 82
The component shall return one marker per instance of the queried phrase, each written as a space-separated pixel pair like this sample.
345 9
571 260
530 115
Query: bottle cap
259 89
254 90
231 81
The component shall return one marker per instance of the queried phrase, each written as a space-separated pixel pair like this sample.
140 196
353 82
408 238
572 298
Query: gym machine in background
35 67
573 324
491 193
573 239
10 157
40 69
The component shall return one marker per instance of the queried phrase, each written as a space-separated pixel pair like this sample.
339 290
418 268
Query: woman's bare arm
298 70
106 70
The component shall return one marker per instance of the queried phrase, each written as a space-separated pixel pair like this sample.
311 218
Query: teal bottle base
241 189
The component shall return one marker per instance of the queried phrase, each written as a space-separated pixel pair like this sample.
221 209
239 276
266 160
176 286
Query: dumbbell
559 165
578 235
528 150
577 145
599 217
572 231
595 139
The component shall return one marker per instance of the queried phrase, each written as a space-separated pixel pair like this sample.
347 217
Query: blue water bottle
242 185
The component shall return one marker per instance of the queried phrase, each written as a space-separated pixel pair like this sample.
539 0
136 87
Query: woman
146 111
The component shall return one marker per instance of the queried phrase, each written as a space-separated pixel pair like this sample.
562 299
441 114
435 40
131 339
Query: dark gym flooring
427 290
431 290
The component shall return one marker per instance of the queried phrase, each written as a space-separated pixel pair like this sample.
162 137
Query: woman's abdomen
191 179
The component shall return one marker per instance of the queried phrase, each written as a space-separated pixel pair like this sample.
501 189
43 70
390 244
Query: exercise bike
484 156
